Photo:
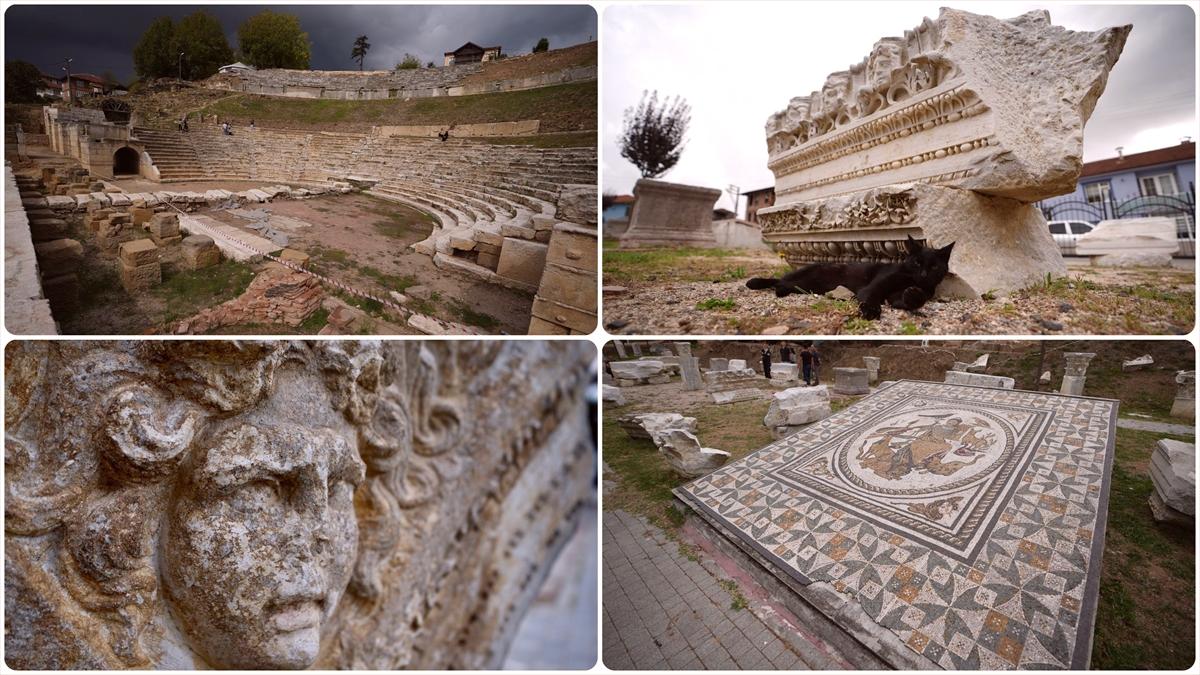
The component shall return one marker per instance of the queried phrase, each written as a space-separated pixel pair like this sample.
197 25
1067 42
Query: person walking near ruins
766 362
806 361
816 364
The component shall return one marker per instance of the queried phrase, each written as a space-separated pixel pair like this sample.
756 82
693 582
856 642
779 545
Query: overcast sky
736 63
101 38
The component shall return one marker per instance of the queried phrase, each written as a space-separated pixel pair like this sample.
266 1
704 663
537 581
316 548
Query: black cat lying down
903 285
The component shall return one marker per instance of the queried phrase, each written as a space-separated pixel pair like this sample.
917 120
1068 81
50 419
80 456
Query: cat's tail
760 284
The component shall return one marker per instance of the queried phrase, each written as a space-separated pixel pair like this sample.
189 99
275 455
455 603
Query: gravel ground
1098 302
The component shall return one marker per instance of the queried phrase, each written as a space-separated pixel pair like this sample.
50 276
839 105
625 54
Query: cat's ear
946 250
914 246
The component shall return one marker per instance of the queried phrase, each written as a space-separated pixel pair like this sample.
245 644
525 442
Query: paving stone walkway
664 610
1156 427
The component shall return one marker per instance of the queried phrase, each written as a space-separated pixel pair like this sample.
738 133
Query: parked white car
1066 232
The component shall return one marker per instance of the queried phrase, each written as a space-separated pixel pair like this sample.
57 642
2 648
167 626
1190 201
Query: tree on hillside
272 40
360 50
21 82
541 46
653 137
155 54
202 40
410 62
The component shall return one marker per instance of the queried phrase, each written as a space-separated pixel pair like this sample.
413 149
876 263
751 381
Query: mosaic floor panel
969 521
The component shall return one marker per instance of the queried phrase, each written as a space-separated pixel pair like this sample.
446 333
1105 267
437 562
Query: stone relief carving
882 208
896 69
285 504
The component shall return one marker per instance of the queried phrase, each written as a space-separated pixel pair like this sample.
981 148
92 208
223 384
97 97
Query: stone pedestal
851 381
872 365
1076 372
620 347
1185 396
199 251
1173 472
979 379
785 372
737 364
669 214
717 364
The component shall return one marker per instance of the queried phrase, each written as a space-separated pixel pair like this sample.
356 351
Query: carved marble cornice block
670 214
1000 245
279 504
995 106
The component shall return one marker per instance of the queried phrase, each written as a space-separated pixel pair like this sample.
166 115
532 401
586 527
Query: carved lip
298 615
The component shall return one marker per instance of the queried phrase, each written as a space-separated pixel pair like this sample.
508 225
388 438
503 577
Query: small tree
272 40
410 62
21 82
653 137
360 50
541 46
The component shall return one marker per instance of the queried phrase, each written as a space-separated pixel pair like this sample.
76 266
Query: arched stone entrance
126 161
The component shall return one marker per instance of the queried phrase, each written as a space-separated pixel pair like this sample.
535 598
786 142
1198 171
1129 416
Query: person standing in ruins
766 362
806 361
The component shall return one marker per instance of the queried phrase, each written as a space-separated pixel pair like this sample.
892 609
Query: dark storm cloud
101 38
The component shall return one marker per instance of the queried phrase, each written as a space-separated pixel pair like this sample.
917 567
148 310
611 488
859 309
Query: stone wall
518 128
353 85
392 505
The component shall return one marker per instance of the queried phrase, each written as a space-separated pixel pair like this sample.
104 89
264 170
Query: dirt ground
364 242
704 292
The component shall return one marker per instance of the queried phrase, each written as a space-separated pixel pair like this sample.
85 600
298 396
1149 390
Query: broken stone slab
978 365
951 102
685 455
1131 242
636 370
670 214
1173 473
736 364
689 370
851 381
1075 372
798 405
613 395
735 395
1139 363
650 426
979 380
1045 378
785 372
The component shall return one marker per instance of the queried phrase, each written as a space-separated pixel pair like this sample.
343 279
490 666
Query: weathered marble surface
281 504
946 134
670 214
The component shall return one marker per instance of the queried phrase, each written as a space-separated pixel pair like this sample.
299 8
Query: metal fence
1181 208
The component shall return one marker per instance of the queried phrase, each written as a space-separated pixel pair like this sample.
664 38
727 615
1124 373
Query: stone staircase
174 157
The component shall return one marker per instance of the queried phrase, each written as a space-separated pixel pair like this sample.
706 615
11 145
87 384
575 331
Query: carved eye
257 496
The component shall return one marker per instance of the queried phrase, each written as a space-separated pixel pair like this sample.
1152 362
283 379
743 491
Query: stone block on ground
798 405
670 214
522 261
685 455
636 370
60 255
138 252
139 278
979 379
295 257
613 395
199 251
1173 473
851 381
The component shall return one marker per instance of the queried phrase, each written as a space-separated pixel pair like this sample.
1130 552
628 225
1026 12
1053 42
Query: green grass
856 325
564 107
738 601
716 304
187 292
1148 577
909 328
315 321
473 318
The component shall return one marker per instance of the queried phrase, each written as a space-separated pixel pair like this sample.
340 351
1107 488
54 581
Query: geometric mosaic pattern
969 521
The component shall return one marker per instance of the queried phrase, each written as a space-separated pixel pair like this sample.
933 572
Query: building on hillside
616 215
86 84
1119 186
236 68
758 199
51 87
472 53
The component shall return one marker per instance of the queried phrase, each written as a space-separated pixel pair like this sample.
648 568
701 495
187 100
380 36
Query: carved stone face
884 59
833 94
261 541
